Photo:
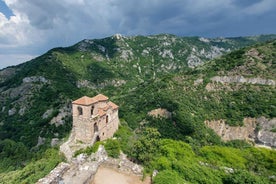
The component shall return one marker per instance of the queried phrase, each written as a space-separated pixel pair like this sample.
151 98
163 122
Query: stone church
94 119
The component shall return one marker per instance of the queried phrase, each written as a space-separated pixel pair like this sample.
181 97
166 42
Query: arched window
96 128
92 110
98 139
80 110
106 119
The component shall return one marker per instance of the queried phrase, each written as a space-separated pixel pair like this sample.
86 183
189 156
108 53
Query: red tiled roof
113 105
110 105
100 97
88 101
106 108
85 100
101 112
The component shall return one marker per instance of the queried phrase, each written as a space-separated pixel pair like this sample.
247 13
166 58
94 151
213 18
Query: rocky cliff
257 130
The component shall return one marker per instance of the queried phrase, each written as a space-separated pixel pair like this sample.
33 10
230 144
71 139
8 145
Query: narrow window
96 129
106 119
80 110
92 110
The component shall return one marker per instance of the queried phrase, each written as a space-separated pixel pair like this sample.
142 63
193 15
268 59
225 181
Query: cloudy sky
29 28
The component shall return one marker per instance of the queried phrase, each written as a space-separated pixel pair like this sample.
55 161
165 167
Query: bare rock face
163 113
241 79
220 83
23 93
90 85
47 114
266 136
227 133
12 111
7 73
64 112
260 130
198 82
33 79
40 141
55 142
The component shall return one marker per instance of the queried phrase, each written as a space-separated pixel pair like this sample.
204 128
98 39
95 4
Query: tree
112 148
146 146
242 177
168 177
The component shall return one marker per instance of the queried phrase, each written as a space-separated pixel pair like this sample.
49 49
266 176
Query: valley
168 88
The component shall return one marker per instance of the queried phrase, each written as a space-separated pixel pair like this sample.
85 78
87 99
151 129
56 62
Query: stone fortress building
94 119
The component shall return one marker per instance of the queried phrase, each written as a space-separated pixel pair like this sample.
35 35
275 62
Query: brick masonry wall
83 125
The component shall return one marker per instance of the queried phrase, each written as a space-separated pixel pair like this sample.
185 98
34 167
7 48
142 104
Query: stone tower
94 118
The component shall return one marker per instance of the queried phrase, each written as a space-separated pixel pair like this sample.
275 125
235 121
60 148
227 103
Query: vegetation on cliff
141 74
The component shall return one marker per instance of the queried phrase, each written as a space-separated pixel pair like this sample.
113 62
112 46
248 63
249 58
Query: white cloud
15 31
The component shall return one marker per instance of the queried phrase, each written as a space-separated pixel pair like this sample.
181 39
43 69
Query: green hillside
142 73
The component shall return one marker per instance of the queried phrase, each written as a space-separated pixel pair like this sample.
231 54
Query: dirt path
106 175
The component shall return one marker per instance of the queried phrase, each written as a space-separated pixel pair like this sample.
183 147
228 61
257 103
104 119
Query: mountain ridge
74 68
140 74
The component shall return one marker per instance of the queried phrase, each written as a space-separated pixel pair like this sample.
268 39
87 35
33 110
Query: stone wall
83 125
83 168
80 170
84 129
106 130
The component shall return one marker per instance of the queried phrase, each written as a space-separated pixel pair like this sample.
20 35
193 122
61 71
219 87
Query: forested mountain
194 79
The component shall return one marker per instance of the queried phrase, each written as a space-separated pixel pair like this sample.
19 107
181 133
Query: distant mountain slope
139 73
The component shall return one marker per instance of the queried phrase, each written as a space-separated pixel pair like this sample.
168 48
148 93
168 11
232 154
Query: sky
29 28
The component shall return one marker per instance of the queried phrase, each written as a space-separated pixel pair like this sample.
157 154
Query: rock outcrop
241 79
7 73
257 130
220 83
266 134
162 113
63 112
83 168
227 133
91 85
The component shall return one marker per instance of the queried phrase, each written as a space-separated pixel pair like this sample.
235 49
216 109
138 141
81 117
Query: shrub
112 148
241 144
33 170
89 150
242 177
168 177
124 135
224 156
146 146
